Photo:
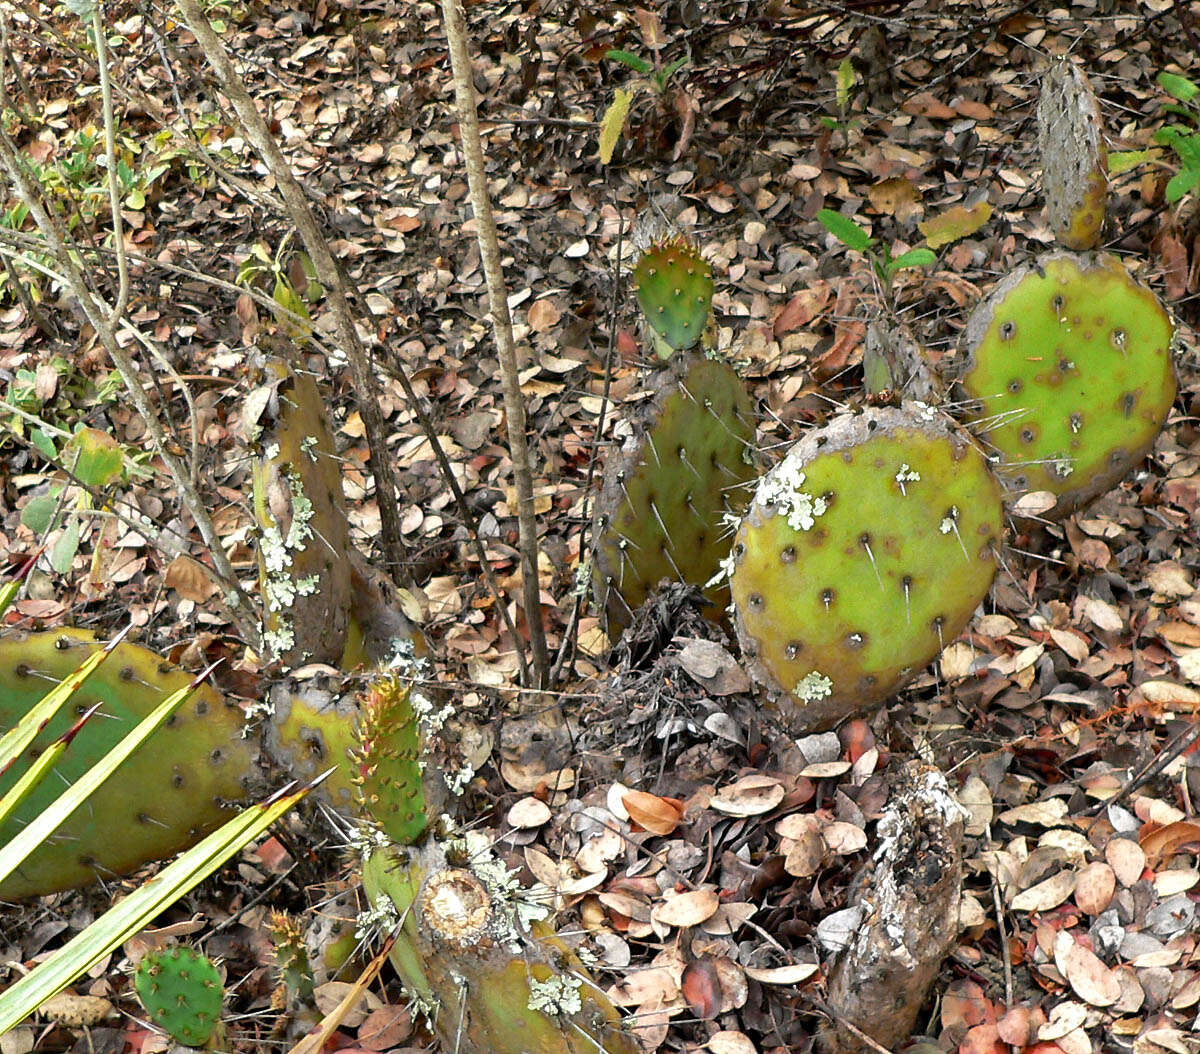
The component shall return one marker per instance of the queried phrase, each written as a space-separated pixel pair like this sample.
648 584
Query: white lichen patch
950 521
924 411
1062 467
309 446
365 840
724 571
813 687
556 995
782 488
378 920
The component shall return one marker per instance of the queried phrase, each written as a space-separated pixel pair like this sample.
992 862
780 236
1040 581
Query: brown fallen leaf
652 813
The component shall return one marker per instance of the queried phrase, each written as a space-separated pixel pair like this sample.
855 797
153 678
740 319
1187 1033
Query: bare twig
301 215
514 403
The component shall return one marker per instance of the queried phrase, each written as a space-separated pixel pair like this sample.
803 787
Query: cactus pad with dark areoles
1069 365
674 287
174 789
661 512
1074 157
864 552
182 993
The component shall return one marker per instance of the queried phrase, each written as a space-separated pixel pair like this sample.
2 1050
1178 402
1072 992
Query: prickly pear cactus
1069 362
182 993
864 552
304 542
487 985
166 796
674 287
1074 157
661 511
893 361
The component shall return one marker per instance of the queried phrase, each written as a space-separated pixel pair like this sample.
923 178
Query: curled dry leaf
1094 887
529 813
731 1043
1047 894
656 984
793 974
844 838
1090 979
652 813
750 796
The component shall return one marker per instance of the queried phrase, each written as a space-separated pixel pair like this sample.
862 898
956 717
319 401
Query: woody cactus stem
328 273
514 403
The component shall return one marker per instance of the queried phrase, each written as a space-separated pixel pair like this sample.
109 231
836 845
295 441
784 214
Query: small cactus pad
388 760
674 288
1069 362
182 993
864 552
1074 157
661 512
164 798
893 361
304 568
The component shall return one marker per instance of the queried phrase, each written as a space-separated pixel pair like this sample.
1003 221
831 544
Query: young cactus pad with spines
665 496
674 287
1074 157
1069 364
165 797
182 993
864 552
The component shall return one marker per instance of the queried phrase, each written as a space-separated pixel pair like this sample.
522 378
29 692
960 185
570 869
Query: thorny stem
300 213
514 403
103 320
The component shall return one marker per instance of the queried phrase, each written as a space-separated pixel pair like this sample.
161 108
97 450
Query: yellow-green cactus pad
661 512
864 552
1069 364
1074 157
674 287
171 792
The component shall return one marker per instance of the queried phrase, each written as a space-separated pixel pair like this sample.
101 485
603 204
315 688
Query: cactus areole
1069 365
864 552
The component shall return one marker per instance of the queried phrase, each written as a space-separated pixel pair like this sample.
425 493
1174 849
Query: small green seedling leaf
613 123
630 60
913 258
1183 181
1124 160
62 553
846 78
1179 87
39 512
845 230
98 458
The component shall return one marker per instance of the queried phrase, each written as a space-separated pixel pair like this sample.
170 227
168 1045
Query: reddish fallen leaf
652 813
702 988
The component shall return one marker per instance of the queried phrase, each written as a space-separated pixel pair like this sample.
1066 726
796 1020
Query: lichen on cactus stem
173 790
864 552
685 466
1074 157
182 993
1069 365
304 540
674 286
488 983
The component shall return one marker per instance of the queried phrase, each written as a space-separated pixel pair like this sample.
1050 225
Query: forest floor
1082 882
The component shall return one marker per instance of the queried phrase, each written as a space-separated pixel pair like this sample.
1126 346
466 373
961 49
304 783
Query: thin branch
514 402
301 214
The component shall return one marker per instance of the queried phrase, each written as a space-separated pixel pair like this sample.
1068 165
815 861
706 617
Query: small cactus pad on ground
304 542
1069 364
864 552
674 287
486 983
1074 157
182 993
661 512
173 789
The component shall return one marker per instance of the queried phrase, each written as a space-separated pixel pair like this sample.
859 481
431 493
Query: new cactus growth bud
304 542
1074 157
174 789
388 759
488 984
182 993
674 287
1069 362
864 552
661 512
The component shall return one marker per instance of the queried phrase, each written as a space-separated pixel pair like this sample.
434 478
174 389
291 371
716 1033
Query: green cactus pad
166 796
864 552
674 287
182 993
304 567
487 985
1074 157
661 511
388 760
1069 362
